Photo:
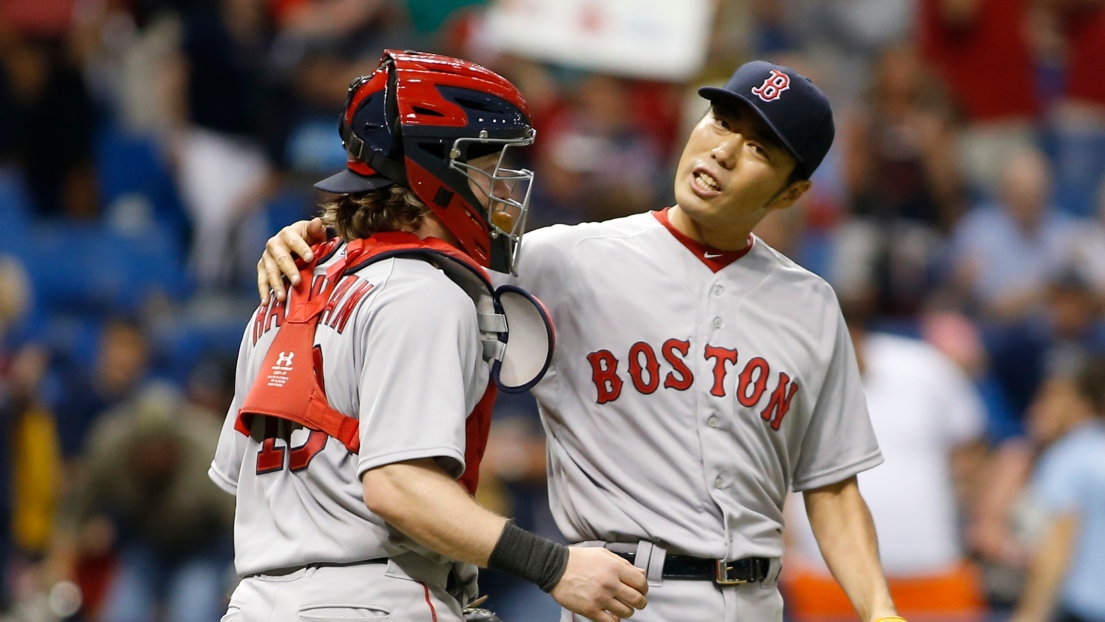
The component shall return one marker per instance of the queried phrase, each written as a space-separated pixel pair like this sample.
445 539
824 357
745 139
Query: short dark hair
1090 382
797 174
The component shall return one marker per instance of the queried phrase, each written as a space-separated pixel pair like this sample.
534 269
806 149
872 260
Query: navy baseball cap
796 111
348 182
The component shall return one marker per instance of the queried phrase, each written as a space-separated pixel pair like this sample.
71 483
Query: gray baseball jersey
397 327
690 388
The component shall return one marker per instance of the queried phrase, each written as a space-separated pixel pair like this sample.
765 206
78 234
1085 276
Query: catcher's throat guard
515 329
527 346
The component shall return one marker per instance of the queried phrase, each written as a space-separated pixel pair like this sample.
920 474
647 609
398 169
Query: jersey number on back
271 458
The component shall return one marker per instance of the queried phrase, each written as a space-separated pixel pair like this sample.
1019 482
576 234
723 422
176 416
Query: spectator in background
568 166
1068 484
46 123
46 115
133 65
29 462
957 338
986 532
210 383
121 365
143 492
1071 328
903 183
1000 526
223 169
771 34
1000 530
1078 119
1074 321
318 91
983 51
1005 256
341 21
929 421
1005 253
1089 250
624 157
849 34
897 164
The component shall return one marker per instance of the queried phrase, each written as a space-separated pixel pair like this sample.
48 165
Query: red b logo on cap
773 86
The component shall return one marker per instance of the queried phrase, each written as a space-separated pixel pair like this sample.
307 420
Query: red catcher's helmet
417 121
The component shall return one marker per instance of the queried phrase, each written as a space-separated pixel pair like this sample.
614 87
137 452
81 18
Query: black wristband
529 556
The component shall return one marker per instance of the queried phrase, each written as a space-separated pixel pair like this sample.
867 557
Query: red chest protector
289 384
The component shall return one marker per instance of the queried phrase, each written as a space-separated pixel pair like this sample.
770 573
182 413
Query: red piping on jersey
429 603
714 259
288 384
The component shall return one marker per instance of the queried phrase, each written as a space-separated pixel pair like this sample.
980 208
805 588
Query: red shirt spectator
1084 25
981 49
49 19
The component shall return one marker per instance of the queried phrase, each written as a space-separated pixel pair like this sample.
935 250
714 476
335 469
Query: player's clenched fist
600 585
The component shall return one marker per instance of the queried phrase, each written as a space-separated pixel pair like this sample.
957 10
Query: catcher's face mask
501 188
418 121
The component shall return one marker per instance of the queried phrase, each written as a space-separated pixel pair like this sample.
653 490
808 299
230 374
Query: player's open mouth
706 181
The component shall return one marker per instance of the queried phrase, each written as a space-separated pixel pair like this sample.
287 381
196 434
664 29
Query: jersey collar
713 258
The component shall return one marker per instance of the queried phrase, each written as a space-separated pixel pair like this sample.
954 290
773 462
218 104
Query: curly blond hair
362 214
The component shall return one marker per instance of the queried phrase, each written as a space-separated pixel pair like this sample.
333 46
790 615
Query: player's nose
726 150
501 189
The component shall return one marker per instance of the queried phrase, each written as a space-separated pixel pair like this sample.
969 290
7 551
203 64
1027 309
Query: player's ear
790 195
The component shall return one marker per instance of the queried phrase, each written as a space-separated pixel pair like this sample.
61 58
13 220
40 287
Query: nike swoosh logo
711 255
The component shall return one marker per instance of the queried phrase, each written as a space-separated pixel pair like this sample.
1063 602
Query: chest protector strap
290 386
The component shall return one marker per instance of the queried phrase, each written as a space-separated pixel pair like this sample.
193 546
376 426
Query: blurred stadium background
149 147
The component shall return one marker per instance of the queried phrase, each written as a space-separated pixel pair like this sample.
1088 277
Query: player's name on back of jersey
647 374
343 300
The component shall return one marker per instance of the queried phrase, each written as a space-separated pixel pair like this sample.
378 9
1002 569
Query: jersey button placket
717 322
712 421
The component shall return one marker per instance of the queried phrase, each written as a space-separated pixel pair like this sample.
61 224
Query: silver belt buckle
721 577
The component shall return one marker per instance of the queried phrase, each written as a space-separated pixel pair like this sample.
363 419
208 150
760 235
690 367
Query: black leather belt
681 567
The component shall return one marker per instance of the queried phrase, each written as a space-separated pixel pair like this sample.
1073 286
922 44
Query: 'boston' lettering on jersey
644 373
335 316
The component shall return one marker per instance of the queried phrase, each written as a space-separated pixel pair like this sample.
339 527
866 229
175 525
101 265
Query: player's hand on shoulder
600 585
278 261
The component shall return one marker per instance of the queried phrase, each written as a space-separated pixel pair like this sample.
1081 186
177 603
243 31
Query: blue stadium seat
78 267
130 165
292 203
73 338
15 207
182 344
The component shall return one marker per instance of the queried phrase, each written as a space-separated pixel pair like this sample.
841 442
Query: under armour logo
285 359
773 86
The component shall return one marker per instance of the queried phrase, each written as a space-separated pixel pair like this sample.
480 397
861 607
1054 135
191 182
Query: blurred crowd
149 147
